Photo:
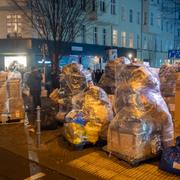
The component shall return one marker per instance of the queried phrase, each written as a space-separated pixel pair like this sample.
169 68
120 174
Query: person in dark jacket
34 83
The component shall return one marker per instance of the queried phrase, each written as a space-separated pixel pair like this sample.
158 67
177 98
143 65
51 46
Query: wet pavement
55 157
16 167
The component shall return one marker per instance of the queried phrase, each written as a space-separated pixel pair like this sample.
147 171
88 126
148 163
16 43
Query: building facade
134 28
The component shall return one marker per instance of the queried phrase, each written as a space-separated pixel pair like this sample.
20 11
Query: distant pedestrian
98 75
34 83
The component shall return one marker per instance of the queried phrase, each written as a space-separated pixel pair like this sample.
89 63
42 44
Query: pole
38 123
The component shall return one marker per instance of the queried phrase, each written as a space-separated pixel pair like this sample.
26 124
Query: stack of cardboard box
177 103
11 102
3 96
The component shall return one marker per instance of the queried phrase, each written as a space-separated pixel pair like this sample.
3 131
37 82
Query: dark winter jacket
34 81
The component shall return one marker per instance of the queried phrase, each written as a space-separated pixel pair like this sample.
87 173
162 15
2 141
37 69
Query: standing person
34 83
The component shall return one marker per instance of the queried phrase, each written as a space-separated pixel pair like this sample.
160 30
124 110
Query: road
14 167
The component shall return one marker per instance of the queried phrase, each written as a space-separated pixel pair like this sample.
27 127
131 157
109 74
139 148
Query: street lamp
130 56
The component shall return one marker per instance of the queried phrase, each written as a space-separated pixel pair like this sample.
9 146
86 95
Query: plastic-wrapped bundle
90 118
167 76
73 80
108 79
142 124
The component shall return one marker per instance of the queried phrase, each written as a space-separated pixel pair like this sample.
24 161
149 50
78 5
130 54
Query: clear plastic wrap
73 80
96 114
167 75
142 124
108 79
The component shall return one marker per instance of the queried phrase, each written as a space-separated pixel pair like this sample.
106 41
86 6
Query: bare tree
57 21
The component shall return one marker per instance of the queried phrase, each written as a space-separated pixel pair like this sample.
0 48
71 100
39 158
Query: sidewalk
90 163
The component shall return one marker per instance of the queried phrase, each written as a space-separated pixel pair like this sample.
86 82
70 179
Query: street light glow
130 55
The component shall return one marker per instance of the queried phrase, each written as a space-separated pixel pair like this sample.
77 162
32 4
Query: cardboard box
177 102
14 88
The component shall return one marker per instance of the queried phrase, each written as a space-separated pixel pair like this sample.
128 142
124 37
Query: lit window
14 23
130 15
104 36
113 7
95 36
115 37
123 39
102 6
145 43
131 40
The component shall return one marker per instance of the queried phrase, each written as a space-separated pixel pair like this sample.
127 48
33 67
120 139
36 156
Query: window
178 15
171 28
161 46
123 39
131 40
83 34
162 25
102 6
70 3
83 5
95 35
158 2
145 43
167 24
178 32
138 41
130 15
123 16
14 23
115 37
104 36
152 19
113 7
93 5
145 18
138 17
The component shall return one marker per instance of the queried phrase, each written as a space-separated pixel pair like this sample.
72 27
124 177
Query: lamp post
130 56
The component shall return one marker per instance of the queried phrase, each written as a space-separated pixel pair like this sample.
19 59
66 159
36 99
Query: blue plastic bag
170 159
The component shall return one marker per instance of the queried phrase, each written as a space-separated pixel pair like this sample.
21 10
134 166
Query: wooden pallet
99 144
133 163
12 121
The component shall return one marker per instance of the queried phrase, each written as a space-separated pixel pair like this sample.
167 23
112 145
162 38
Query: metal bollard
38 128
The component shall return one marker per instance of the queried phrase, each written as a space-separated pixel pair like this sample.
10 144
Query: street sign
174 54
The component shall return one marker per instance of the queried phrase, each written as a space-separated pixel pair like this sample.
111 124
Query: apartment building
132 28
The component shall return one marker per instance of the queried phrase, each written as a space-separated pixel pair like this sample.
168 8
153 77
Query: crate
6 119
177 102
3 76
3 92
130 147
14 88
3 107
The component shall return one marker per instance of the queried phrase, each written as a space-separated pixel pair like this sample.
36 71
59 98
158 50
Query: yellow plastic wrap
93 130
74 133
93 111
